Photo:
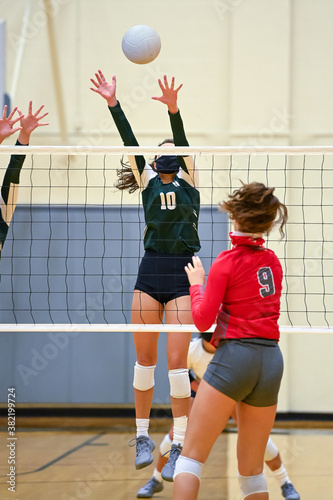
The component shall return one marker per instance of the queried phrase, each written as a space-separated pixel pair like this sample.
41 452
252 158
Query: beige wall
255 72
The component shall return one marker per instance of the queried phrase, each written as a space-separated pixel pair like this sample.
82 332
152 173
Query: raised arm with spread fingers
9 189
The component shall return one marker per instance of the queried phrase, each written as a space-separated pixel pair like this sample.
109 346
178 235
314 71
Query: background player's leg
209 415
254 427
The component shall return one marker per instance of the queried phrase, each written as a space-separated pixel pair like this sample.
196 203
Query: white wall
254 72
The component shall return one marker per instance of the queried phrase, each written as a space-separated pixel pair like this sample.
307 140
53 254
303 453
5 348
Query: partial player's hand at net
195 272
30 122
169 94
7 124
105 89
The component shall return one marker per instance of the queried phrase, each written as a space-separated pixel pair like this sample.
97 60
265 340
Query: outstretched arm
29 123
108 92
169 97
7 124
9 190
169 94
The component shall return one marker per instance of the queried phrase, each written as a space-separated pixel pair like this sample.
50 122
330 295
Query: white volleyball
141 44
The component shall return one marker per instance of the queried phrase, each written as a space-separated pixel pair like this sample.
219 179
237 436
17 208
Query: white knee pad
143 377
179 383
250 485
165 446
271 451
188 466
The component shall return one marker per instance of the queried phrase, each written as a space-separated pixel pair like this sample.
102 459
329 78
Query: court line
69 452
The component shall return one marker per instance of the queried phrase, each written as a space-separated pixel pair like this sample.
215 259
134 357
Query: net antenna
71 256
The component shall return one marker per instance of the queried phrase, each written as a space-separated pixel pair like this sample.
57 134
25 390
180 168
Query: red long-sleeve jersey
242 293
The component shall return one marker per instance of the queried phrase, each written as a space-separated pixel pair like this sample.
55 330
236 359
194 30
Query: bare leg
275 463
178 311
162 460
254 427
197 443
147 310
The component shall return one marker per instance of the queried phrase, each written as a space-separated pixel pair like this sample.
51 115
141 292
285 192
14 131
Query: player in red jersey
243 291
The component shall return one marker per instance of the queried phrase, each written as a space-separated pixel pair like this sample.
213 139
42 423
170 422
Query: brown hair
126 179
256 209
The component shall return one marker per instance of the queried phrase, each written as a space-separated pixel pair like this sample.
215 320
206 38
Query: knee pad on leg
165 446
250 485
188 466
179 383
143 377
271 451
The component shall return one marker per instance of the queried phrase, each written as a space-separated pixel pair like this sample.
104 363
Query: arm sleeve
9 192
12 175
179 138
206 302
126 132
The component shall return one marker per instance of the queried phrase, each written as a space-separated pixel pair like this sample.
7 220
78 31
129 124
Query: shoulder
225 256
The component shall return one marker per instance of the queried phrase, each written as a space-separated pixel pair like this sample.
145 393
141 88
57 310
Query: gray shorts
248 370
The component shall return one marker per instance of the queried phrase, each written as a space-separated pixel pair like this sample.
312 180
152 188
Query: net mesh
75 242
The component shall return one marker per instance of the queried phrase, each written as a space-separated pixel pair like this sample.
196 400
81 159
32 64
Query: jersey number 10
168 200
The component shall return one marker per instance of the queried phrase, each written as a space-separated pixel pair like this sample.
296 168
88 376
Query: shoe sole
142 466
149 496
145 464
168 479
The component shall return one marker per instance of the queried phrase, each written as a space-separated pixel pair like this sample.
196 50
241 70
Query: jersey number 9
265 278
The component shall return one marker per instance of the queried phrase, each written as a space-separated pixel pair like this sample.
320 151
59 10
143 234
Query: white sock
281 475
142 426
179 428
157 475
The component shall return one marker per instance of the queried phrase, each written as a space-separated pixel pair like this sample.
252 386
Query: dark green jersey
9 191
171 210
171 214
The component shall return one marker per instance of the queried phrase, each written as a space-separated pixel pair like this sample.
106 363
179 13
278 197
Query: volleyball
141 44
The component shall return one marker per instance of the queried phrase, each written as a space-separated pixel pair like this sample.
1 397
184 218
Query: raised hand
7 124
169 94
29 123
105 89
195 272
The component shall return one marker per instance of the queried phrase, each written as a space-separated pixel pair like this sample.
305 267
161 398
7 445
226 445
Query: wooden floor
60 464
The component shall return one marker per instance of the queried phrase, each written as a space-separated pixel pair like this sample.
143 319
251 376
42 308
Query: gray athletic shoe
169 468
144 448
289 492
153 486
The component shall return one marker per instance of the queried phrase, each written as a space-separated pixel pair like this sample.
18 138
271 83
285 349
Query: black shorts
162 276
248 370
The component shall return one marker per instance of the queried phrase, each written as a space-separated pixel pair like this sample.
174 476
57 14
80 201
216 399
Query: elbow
202 324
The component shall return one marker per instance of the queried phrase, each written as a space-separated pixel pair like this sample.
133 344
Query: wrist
173 109
112 102
24 137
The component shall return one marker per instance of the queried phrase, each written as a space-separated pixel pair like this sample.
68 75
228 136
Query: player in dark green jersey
171 204
9 189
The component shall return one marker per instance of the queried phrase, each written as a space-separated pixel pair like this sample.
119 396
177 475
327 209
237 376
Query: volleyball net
75 243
